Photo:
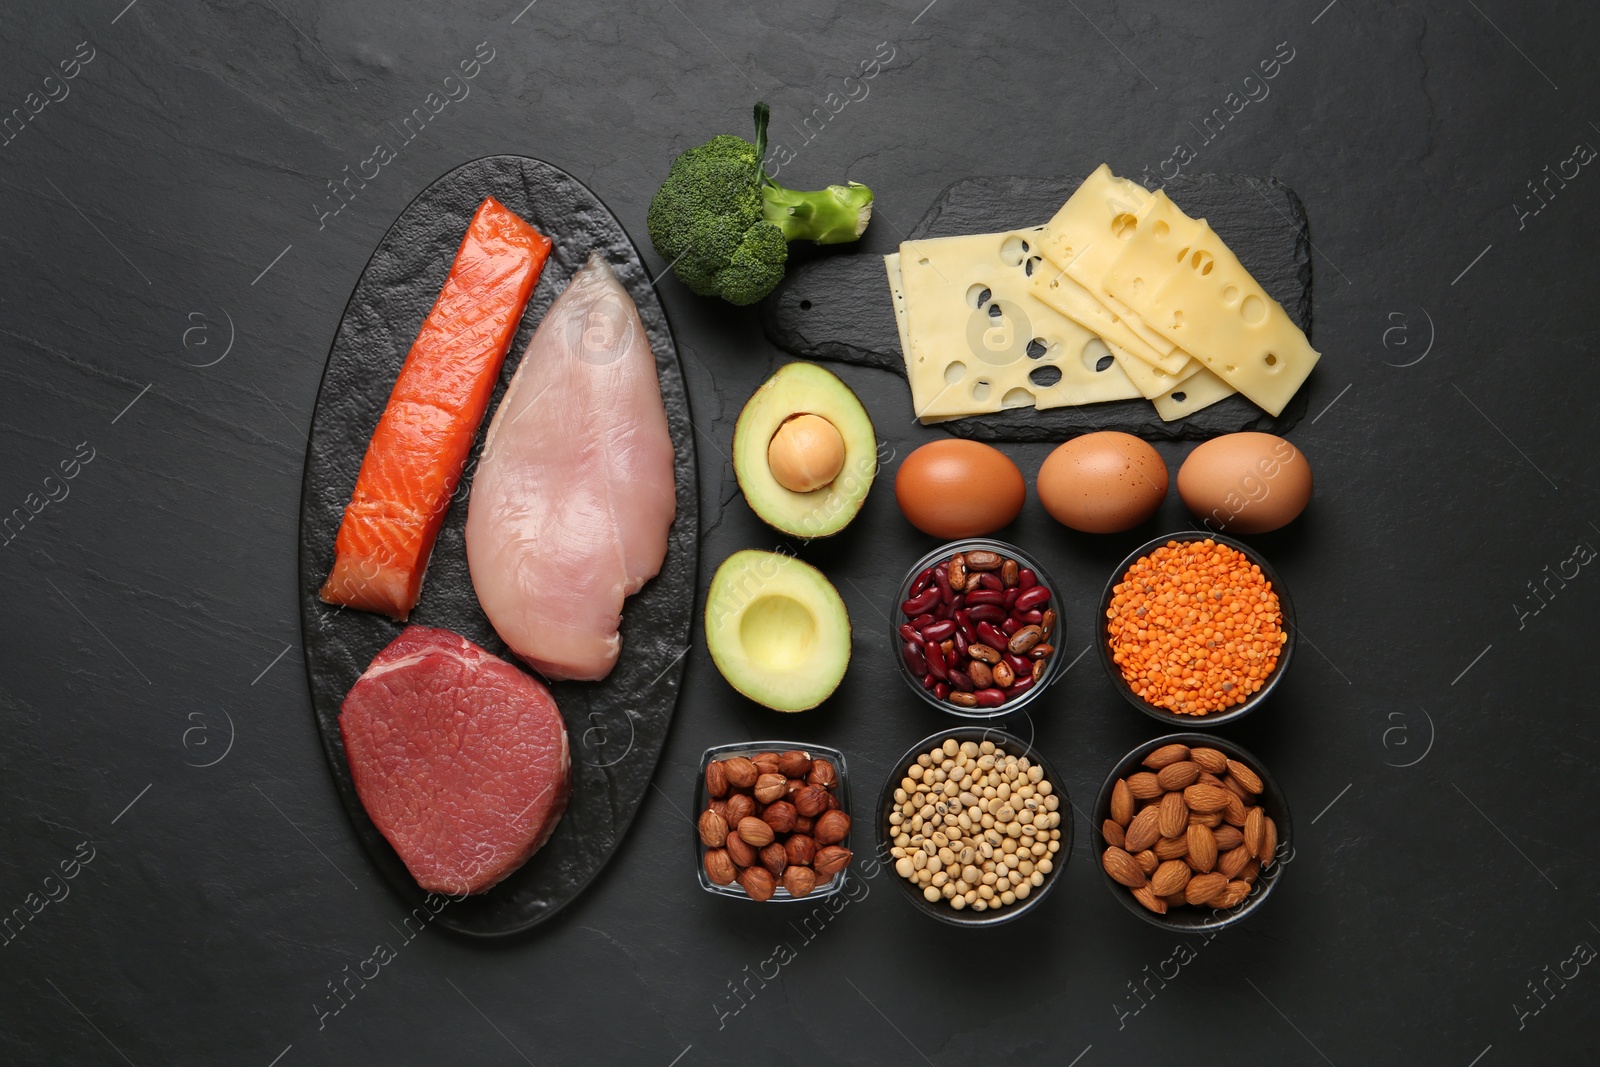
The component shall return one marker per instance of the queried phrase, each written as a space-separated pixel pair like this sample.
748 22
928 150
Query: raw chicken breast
574 494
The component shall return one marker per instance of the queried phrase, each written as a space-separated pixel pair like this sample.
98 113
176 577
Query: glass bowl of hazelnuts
772 821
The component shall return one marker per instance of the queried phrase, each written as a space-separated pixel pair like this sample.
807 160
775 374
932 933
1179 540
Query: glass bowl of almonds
772 821
1191 832
1003 834
975 628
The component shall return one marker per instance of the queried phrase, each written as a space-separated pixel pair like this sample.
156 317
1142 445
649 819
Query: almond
1232 861
1245 776
1254 827
1231 784
1269 842
1172 848
1202 848
740 772
1233 895
1207 778
1144 830
713 829
1164 755
1144 896
1144 786
1174 901
1234 813
1122 868
1178 775
1121 802
1209 759
1203 887
1111 830
1250 872
1169 878
1206 798
1174 816
716 779
1147 861
1212 819
754 832
1227 837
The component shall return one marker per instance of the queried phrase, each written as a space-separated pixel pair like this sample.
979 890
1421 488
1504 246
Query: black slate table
179 237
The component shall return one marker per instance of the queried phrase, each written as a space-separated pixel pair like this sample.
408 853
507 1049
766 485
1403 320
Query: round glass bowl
1171 718
1202 918
942 910
898 641
749 750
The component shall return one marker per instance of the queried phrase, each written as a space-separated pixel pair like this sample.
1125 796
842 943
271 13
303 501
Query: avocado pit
806 453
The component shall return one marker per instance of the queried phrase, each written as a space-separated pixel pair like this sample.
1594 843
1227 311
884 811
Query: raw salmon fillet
421 444
574 493
460 759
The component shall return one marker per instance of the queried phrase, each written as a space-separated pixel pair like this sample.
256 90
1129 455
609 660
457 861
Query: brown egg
1245 483
1103 482
958 488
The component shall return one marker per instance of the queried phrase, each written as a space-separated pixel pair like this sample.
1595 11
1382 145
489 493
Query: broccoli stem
835 215
828 216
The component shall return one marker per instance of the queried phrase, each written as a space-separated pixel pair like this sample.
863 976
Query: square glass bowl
1053 665
1196 722
750 749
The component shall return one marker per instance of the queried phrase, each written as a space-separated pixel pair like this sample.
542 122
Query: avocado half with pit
804 452
777 629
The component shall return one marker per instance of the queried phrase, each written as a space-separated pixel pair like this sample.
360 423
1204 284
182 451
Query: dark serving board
837 307
616 727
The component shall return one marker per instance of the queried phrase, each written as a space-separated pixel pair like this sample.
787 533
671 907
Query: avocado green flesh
800 388
777 630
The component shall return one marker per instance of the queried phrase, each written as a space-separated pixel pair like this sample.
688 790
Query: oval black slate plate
616 727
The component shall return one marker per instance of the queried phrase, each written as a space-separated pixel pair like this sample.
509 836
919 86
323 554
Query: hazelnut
774 858
738 851
740 772
799 881
780 816
803 824
755 833
758 882
822 773
832 827
716 779
713 829
812 800
795 785
719 868
739 805
794 764
767 763
720 807
770 787
801 849
830 861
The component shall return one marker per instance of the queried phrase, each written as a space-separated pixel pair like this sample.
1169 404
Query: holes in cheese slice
1160 229
1017 397
1037 348
980 391
1124 226
1045 376
1253 310
954 372
1013 250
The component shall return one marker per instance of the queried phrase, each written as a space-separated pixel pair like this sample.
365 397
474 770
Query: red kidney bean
936 664
909 632
928 682
938 631
942 611
1026 579
941 690
991 613
1030 618
1036 597
941 578
1020 665
1023 683
990 581
1010 626
920 603
985 596
958 602
990 698
1011 598
964 625
916 662
921 620
924 580
960 680
992 636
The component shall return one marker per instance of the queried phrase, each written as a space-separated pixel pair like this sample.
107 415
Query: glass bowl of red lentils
1195 629
976 627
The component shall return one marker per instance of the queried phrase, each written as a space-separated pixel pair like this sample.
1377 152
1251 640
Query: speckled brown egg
1103 482
956 488
1245 483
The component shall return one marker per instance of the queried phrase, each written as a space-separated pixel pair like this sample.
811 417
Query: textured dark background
155 604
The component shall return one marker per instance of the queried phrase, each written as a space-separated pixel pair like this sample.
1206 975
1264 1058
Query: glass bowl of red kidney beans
977 628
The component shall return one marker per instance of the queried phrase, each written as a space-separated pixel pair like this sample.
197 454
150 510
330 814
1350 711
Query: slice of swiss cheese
976 341
1200 390
1186 284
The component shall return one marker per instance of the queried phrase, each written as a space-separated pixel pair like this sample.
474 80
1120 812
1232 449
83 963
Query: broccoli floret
724 226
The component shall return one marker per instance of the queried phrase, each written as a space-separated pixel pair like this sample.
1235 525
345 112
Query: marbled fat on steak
460 759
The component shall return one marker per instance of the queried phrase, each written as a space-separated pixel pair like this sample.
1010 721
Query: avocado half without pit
777 630
804 452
